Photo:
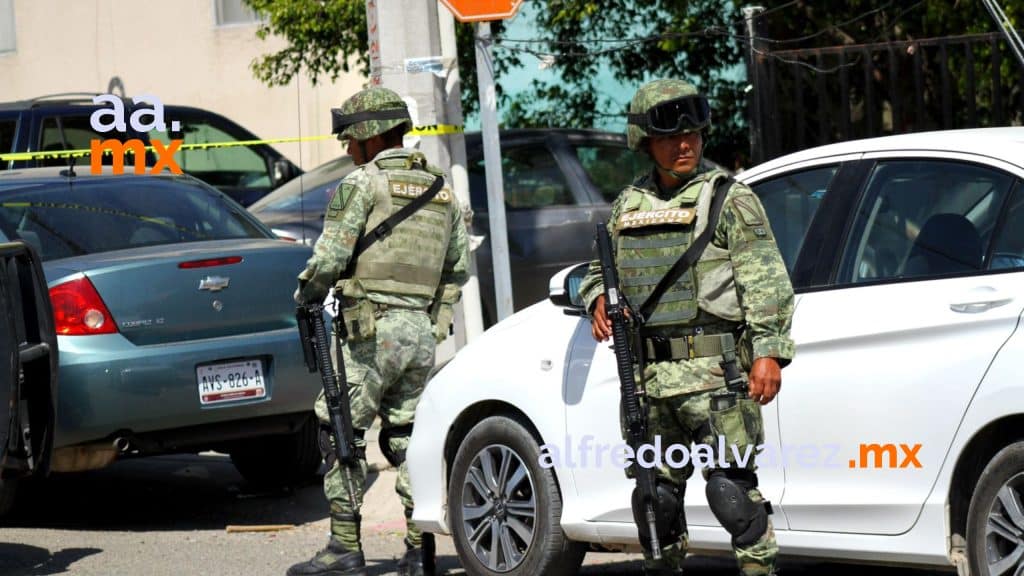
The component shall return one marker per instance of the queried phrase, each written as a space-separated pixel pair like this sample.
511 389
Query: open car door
28 360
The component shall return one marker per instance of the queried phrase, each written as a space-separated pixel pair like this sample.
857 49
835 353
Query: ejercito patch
656 217
410 190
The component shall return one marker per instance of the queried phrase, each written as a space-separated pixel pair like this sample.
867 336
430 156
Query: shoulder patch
342 194
749 210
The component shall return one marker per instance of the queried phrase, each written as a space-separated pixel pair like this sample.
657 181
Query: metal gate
808 97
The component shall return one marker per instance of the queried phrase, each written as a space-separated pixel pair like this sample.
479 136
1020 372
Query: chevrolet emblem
213 283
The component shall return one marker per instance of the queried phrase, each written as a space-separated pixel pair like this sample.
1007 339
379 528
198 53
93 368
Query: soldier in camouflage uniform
397 300
738 286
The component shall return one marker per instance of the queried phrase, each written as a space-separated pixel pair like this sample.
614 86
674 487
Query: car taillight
78 309
210 262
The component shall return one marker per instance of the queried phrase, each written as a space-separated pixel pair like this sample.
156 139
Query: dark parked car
61 122
28 384
558 183
175 321
295 211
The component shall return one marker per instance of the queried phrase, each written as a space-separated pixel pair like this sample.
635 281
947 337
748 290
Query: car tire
272 462
996 513
514 504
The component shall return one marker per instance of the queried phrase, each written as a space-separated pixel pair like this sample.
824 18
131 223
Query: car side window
72 133
924 219
610 168
1008 245
7 128
790 202
230 166
531 177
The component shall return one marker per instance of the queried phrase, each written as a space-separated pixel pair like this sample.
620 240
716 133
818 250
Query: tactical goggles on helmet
674 116
340 121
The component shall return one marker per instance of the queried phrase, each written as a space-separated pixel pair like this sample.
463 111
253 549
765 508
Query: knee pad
743 518
395 458
669 514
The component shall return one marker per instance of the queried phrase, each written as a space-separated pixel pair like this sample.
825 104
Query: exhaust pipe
122 444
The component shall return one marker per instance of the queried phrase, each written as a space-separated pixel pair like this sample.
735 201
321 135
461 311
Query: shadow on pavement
179 492
25 560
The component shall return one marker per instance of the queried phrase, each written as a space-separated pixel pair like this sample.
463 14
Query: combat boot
418 561
334 560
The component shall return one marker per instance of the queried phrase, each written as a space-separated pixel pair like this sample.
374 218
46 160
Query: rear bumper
110 387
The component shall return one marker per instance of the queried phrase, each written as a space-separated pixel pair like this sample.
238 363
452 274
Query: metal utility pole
470 314
754 117
492 170
410 55
1006 27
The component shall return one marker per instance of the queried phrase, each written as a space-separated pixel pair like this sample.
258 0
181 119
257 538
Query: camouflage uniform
397 301
739 286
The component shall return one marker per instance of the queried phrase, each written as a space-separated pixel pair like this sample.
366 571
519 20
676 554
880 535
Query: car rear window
89 216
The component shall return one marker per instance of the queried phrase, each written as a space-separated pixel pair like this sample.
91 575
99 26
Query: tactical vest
653 234
410 259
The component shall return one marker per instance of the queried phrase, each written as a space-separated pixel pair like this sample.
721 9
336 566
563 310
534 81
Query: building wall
174 50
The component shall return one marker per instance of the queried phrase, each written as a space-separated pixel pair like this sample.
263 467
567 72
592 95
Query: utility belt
692 343
361 315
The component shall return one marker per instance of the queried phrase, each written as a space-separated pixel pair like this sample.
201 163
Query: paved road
169 516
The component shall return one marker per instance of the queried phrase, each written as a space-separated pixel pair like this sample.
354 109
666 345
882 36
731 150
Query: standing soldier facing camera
396 298
732 301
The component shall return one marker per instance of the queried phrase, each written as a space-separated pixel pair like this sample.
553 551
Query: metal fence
809 97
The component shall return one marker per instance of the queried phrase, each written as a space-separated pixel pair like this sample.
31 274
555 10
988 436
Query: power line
629 43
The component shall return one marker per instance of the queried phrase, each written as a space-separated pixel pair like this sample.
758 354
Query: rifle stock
636 415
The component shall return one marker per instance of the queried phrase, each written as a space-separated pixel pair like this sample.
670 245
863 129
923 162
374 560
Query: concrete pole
492 170
406 55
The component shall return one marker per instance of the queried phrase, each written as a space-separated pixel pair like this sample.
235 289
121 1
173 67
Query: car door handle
980 300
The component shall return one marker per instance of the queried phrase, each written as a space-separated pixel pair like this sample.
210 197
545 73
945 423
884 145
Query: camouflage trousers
386 376
686 419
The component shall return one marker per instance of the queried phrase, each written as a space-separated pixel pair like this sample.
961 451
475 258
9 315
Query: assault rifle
645 497
317 351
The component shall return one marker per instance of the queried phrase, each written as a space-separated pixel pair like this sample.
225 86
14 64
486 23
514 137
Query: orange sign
482 10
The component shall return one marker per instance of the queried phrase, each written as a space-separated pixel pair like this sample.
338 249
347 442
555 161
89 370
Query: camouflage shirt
345 222
762 283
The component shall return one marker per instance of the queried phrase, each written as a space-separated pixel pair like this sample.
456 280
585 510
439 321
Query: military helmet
665 107
368 113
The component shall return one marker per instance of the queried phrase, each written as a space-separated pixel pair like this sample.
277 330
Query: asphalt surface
181 515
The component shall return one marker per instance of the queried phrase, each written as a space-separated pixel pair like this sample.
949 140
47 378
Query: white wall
172 49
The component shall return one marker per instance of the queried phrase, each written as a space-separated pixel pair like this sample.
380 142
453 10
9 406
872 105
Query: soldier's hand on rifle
600 325
765 380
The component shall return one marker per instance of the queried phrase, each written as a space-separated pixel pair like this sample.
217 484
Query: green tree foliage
324 36
705 42
328 37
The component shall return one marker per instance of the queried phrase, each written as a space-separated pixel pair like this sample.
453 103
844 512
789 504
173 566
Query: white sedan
898 435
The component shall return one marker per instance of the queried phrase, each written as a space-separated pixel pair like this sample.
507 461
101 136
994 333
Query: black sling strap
383 230
693 252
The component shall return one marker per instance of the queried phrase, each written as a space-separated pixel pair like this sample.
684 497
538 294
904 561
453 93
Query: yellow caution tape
429 130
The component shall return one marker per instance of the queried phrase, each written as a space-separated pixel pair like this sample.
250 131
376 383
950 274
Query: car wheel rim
499 508
1004 530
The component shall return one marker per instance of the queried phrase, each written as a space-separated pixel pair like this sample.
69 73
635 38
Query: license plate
230 381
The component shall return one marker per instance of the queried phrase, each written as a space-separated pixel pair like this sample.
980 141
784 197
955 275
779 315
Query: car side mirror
283 171
564 289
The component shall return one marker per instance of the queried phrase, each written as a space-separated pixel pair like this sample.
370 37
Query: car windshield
310 192
61 219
